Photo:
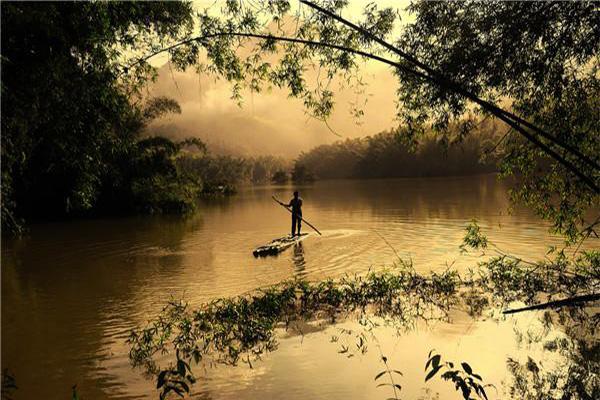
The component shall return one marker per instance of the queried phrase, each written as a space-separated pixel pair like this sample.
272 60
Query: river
71 291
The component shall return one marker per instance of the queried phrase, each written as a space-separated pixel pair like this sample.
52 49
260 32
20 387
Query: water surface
71 291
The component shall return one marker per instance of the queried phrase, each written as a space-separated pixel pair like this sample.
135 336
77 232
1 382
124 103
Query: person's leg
293 224
299 224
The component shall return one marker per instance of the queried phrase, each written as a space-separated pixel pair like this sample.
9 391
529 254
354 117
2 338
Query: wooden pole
302 219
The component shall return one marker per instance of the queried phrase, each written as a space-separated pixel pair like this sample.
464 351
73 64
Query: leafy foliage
464 379
280 177
301 173
71 119
221 174
542 59
575 377
390 374
548 76
474 238
228 331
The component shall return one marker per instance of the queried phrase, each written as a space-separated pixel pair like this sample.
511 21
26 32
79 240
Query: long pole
302 219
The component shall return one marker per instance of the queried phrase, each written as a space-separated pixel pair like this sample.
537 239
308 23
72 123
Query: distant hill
268 123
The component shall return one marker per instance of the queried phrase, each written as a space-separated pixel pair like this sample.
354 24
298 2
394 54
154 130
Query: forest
387 155
74 141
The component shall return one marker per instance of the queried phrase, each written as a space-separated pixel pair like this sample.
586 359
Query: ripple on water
72 291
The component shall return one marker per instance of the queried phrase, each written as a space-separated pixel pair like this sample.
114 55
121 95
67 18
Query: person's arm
285 205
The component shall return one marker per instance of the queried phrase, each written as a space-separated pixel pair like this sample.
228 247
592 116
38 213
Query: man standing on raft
296 206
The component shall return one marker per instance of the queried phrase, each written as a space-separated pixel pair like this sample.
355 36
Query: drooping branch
446 82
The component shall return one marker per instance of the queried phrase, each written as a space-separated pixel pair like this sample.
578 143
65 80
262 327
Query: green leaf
181 367
379 375
467 368
484 394
432 373
161 379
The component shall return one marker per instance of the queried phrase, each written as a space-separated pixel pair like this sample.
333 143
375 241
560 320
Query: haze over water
71 291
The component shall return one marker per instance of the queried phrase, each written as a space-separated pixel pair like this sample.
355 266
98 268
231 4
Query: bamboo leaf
467 368
181 367
161 379
432 373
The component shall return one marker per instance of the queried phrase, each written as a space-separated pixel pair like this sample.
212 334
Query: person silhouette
296 205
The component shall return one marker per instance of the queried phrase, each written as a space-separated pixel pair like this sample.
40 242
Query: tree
280 177
301 174
541 60
69 112
457 60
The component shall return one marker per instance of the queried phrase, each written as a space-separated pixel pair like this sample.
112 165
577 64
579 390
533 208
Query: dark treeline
386 155
221 174
73 117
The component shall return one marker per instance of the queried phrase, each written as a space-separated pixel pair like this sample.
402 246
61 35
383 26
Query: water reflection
71 291
298 259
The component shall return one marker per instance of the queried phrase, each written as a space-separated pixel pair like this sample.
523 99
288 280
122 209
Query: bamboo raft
278 245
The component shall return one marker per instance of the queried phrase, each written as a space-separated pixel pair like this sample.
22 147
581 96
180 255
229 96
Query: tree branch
571 301
445 82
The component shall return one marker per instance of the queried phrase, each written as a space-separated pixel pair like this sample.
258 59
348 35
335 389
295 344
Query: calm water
72 291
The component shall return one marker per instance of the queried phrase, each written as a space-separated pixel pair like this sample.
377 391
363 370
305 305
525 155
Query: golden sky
271 122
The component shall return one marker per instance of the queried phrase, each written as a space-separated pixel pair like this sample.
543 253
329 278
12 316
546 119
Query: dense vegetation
222 174
387 155
73 112
72 117
542 60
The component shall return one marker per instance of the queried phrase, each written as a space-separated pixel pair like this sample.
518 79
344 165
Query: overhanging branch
439 79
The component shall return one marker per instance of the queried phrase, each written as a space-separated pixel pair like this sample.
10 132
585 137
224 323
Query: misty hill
268 123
